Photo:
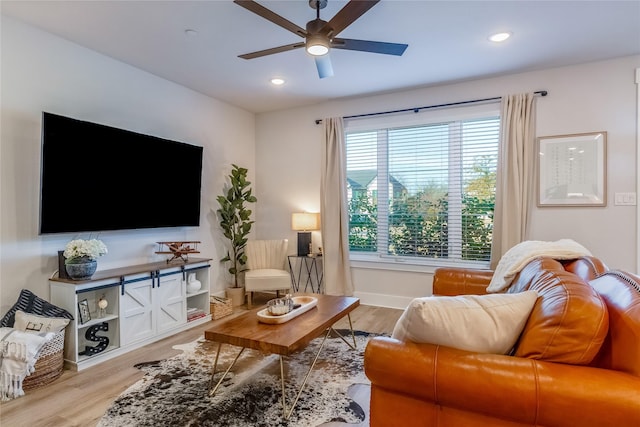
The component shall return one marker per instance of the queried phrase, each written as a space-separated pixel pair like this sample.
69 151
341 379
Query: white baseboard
383 300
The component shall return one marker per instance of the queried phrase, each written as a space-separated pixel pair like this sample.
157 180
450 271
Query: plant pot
236 295
81 268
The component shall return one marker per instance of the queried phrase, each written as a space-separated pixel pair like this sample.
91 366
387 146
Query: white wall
43 72
585 98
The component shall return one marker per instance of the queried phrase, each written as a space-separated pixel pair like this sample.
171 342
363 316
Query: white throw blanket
516 258
18 355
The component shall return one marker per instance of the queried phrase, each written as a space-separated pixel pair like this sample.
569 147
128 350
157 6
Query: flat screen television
98 178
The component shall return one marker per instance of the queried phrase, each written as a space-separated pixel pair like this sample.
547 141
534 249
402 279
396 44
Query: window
424 190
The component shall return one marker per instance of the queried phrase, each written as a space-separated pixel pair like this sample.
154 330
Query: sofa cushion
31 303
267 279
28 322
525 278
479 323
568 323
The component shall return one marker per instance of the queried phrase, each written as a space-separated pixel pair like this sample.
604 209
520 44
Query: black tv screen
97 178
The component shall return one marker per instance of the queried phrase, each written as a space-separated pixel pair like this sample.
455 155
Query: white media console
145 303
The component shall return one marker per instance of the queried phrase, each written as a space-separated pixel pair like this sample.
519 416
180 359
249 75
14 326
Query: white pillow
478 323
39 324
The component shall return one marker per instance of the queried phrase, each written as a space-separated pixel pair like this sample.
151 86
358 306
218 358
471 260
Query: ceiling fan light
499 37
317 50
317 45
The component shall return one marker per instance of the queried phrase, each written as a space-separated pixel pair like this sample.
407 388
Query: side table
305 268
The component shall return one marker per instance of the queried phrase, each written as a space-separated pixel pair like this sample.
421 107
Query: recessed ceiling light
277 81
190 33
499 37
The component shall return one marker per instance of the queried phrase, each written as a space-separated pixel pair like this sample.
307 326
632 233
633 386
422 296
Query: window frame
427 117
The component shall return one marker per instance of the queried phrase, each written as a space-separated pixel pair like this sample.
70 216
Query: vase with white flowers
81 257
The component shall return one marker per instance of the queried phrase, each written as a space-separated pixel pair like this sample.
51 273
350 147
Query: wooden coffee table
283 339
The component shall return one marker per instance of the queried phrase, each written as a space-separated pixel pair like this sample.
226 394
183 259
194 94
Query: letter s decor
90 335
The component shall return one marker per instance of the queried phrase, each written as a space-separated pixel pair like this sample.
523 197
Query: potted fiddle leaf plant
235 221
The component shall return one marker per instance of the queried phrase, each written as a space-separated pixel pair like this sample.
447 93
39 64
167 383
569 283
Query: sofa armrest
509 388
461 281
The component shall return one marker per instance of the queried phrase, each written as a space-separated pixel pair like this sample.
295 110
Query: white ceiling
447 42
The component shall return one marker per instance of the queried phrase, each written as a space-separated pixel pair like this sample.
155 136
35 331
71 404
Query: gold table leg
353 335
304 382
313 364
286 414
213 372
284 402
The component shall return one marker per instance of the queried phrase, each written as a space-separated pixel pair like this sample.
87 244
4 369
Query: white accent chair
266 271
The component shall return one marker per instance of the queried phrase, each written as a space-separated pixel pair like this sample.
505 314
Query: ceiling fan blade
370 46
271 51
347 15
323 64
262 11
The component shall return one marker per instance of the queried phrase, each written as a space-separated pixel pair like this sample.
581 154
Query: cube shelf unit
146 303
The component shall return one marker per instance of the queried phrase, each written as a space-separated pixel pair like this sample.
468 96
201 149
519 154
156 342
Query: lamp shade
305 221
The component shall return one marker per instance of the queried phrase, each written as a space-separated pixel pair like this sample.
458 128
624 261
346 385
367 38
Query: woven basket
220 307
50 364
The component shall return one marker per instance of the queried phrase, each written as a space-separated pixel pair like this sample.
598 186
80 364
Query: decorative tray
306 304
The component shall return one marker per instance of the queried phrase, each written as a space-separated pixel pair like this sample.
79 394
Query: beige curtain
333 210
515 176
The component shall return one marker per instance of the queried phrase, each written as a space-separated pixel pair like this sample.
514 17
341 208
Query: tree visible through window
424 191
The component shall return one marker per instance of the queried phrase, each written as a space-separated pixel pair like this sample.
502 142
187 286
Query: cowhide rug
173 392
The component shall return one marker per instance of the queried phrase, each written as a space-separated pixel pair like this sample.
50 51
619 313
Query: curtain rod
417 109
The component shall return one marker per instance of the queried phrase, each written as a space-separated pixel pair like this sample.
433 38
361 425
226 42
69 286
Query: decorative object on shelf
236 223
62 268
83 310
178 250
102 306
81 268
194 313
220 307
81 257
304 223
91 335
193 284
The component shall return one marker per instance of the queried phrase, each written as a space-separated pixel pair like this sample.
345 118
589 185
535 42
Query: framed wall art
572 170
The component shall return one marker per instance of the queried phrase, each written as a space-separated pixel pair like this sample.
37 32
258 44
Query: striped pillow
31 303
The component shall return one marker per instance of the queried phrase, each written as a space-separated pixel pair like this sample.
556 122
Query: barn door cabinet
145 303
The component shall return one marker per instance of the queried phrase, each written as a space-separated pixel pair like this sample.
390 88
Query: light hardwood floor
81 398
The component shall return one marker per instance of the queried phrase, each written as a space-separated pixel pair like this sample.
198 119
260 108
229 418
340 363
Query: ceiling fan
320 35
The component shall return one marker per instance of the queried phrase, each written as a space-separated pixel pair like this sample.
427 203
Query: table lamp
304 223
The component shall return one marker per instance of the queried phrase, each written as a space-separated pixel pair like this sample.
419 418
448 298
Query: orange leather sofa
553 377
